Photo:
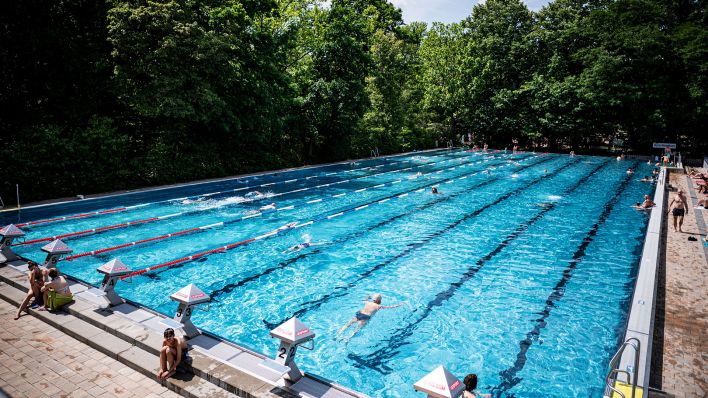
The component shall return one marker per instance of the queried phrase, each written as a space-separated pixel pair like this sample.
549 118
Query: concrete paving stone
144 337
241 381
140 360
686 313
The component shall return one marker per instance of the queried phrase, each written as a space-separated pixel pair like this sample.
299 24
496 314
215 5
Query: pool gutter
640 324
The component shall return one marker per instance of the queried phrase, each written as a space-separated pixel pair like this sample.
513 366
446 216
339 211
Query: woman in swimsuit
36 281
59 288
363 316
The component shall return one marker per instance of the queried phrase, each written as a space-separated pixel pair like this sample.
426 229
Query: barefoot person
173 351
678 208
36 281
56 292
363 316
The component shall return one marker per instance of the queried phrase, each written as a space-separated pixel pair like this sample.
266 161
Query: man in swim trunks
363 316
307 242
678 208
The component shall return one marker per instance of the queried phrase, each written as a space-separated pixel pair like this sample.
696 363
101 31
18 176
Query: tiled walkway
38 361
685 356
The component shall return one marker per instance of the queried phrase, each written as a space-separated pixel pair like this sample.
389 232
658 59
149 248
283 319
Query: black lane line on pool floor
377 359
151 220
237 180
155 274
302 204
342 290
283 264
509 379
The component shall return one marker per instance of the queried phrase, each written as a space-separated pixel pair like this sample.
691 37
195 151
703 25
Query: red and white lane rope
183 213
291 226
253 215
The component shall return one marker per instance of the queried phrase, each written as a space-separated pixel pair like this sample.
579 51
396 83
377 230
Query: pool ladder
612 379
375 152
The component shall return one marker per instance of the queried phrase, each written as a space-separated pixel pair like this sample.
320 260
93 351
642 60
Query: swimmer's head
470 382
376 298
646 197
637 204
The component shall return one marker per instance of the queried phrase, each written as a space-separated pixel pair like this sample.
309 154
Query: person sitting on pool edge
56 292
172 352
364 315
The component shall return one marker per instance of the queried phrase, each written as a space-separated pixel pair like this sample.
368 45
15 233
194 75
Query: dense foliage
102 95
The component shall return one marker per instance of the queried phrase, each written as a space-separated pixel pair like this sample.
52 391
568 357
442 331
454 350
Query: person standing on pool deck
678 208
363 316
36 281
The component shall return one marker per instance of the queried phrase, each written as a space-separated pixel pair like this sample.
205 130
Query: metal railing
630 372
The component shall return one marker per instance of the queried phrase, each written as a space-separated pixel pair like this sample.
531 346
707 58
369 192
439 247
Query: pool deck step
115 348
133 336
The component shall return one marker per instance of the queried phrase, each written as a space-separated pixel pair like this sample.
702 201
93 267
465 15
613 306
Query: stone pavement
36 360
685 344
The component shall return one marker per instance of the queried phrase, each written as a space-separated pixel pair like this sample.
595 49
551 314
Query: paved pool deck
682 370
37 360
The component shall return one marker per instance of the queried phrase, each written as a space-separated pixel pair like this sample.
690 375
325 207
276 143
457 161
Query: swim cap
376 297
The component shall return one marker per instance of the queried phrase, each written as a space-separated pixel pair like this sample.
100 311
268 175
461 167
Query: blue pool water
521 274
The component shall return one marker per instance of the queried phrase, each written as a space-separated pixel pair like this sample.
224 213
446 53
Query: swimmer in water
434 190
364 315
645 179
270 207
307 242
190 201
647 204
253 195
285 227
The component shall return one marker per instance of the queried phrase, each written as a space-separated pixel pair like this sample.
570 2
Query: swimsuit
677 212
305 245
361 317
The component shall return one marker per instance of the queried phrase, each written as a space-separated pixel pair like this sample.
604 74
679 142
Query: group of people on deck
48 290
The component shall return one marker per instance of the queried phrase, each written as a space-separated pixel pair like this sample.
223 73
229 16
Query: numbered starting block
292 334
112 272
440 383
189 297
8 234
54 251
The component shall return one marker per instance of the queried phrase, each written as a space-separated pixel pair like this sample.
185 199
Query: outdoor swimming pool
520 270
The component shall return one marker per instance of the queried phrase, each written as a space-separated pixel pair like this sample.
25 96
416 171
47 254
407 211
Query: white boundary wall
641 317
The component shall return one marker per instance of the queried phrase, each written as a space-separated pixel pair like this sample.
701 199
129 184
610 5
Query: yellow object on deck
626 389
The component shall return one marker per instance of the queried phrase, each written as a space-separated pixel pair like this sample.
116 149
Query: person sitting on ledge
172 353
56 292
